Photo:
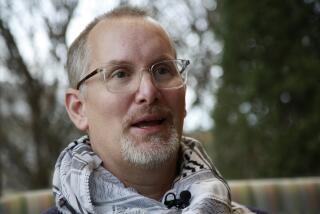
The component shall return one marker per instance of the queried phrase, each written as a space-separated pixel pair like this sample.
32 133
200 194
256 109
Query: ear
74 103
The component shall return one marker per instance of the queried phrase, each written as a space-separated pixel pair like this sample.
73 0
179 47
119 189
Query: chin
150 151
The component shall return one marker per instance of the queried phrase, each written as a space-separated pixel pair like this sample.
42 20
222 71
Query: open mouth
149 122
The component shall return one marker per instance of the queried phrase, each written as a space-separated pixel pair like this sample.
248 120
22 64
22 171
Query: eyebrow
125 62
118 62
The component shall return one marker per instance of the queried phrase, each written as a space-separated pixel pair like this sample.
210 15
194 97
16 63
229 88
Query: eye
162 70
120 73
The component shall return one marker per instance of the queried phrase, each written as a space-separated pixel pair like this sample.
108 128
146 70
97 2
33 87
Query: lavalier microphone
180 203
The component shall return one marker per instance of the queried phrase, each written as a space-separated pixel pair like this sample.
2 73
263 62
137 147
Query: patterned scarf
82 185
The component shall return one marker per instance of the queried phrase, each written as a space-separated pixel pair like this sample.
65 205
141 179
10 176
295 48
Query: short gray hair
78 53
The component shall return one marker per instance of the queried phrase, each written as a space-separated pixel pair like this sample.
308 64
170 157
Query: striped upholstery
32 202
281 196
300 195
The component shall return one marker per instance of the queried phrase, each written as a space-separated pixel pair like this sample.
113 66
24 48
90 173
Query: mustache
147 110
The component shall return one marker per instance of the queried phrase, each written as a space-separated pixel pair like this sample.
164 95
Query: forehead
128 37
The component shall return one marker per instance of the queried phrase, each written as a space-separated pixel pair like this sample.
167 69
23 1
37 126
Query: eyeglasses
118 78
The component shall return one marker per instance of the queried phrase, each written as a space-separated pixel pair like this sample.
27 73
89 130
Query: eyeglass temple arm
87 77
186 63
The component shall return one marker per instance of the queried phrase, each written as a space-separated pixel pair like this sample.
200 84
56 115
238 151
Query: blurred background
253 91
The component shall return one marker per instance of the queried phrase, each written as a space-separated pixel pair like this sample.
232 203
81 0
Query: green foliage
267 113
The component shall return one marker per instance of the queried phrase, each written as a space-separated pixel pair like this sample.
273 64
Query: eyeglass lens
165 75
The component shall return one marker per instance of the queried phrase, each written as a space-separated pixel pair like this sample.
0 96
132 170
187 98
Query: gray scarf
82 185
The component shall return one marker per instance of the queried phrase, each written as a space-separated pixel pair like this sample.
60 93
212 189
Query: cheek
176 101
106 113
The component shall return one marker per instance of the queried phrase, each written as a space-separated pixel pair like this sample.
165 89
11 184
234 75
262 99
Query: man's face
141 127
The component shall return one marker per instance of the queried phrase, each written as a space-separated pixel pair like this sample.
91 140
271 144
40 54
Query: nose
147 92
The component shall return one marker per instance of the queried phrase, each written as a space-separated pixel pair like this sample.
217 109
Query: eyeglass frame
97 70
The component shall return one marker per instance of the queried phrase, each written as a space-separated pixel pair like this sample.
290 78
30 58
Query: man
128 95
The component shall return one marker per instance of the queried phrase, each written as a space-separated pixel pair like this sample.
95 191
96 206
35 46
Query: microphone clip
180 203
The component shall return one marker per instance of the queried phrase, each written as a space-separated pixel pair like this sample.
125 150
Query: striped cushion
27 202
300 195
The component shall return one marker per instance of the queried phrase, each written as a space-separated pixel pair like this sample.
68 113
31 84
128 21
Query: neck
152 183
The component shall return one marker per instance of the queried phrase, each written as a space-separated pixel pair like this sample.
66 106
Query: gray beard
150 152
